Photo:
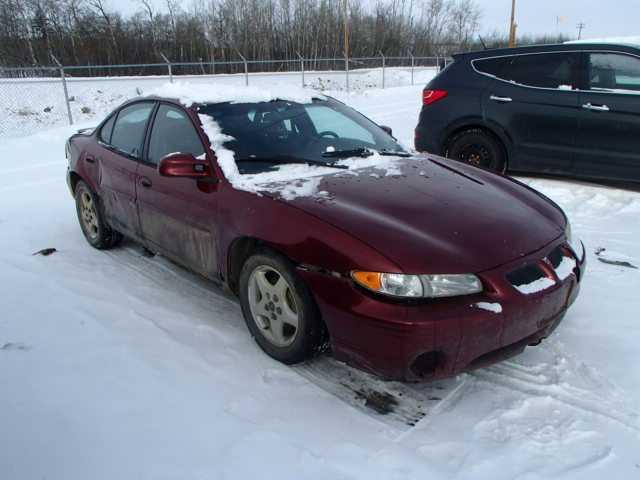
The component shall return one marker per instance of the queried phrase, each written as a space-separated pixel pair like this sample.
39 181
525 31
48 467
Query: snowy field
114 365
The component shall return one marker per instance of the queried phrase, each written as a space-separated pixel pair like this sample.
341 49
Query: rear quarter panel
461 107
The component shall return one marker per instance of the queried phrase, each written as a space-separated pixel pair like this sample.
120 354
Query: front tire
478 148
278 308
91 218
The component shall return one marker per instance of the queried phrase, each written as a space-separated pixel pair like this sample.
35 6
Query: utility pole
512 25
345 14
580 27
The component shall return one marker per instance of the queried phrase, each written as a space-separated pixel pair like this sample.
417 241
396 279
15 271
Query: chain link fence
32 99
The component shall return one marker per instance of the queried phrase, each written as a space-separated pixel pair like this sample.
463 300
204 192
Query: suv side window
543 70
107 128
129 129
614 72
492 66
173 132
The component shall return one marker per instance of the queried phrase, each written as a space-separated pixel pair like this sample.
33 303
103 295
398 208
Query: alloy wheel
273 306
89 214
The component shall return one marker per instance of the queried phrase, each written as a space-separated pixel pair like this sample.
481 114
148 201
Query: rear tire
478 148
91 218
278 308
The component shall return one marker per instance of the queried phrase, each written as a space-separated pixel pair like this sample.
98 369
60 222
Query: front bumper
440 338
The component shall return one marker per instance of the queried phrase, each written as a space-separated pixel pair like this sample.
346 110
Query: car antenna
482 42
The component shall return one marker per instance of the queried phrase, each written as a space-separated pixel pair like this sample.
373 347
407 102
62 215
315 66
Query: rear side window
544 70
173 132
107 128
614 72
492 66
129 129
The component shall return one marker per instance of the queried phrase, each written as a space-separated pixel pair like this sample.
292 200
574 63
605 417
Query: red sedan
327 230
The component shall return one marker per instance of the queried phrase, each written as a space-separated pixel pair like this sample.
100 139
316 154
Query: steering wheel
329 133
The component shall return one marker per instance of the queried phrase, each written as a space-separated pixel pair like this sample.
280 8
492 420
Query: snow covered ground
116 365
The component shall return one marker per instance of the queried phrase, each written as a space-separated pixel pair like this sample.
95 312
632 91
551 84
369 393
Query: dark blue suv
571 109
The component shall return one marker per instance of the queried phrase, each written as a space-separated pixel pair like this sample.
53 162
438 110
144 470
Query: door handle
596 108
145 182
501 99
90 159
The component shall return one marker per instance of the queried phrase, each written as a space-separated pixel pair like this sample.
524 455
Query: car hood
432 215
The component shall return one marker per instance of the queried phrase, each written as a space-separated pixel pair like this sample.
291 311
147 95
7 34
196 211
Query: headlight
418 286
574 243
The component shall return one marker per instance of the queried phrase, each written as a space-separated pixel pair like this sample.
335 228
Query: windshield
268 134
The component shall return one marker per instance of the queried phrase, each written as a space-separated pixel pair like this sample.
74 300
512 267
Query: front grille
525 275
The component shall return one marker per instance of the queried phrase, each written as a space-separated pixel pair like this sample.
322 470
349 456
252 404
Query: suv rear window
543 70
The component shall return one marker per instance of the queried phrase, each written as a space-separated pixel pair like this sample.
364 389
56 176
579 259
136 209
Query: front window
271 133
613 72
172 132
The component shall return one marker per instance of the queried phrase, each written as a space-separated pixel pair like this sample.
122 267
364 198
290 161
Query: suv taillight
432 96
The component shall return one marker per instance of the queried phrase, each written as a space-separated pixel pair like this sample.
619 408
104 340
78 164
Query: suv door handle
596 108
90 159
501 99
145 182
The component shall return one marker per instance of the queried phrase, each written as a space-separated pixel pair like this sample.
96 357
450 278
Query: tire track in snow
532 381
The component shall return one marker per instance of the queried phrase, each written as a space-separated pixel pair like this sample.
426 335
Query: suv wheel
94 227
478 148
279 309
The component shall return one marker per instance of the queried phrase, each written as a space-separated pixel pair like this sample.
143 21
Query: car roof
561 47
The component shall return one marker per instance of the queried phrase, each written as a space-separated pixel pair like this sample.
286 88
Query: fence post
64 87
166 60
437 63
301 67
246 68
413 65
383 67
346 72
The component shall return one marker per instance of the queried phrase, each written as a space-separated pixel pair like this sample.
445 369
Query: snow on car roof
189 93
633 40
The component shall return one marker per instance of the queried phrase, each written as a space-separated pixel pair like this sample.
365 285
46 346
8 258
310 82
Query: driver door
177 217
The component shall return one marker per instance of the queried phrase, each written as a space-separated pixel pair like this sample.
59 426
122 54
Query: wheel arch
74 178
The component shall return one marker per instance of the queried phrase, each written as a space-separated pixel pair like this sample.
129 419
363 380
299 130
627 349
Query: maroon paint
437 216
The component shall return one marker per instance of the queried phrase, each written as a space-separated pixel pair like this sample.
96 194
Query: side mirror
387 129
183 165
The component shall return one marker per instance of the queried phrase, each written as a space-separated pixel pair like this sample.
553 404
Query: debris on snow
45 252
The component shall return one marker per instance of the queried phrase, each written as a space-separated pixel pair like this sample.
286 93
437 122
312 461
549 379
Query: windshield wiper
284 160
355 152
394 153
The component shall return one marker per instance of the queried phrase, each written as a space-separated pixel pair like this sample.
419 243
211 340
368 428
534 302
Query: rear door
177 215
609 120
121 140
533 98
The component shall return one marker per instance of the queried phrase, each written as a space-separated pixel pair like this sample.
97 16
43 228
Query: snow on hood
633 40
189 93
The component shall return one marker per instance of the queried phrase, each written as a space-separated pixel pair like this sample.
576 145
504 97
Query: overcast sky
601 17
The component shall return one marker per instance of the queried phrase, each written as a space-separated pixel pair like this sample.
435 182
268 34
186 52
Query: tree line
92 32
